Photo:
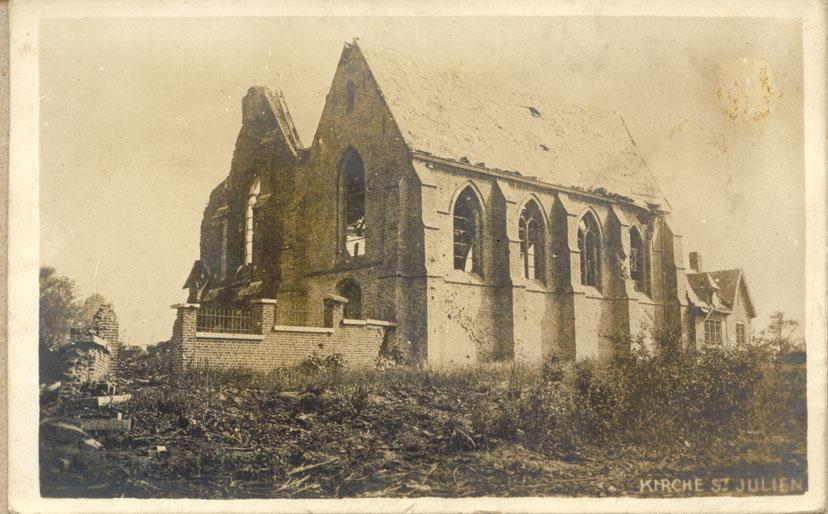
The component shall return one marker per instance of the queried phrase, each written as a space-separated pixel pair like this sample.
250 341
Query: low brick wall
358 341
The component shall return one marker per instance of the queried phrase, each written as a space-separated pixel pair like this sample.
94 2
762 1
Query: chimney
696 262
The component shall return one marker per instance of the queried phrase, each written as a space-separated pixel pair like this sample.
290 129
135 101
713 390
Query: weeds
321 430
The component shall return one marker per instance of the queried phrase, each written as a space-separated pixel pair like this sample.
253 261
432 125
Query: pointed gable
726 284
731 283
261 106
578 147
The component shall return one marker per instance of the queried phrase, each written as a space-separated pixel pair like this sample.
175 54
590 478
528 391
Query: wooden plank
113 399
105 425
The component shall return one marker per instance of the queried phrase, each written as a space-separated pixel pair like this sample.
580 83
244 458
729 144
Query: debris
393 434
113 399
105 425
158 450
93 443
54 387
63 432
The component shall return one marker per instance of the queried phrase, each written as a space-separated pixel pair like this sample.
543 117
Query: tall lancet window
638 261
249 226
588 245
467 232
530 232
353 203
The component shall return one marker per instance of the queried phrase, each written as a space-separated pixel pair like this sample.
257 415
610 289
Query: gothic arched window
589 246
252 198
353 203
530 231
467 232
638 261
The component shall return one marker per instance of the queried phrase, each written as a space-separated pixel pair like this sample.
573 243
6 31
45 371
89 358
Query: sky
139 117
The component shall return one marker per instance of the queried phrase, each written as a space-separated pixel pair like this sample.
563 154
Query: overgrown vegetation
320 430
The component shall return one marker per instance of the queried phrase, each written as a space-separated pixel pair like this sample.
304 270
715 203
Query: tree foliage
88 309
777 337
60 311
58 308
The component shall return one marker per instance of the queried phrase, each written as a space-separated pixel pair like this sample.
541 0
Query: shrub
666 394
316 364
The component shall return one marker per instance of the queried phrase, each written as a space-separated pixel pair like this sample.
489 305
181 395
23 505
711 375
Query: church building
460 222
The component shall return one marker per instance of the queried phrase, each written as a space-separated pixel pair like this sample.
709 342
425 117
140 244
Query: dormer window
252 199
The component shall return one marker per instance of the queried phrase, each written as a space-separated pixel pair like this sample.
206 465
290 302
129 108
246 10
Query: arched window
467 232
530 231
350 95
589 246
252 198
351 291
353 204
638 261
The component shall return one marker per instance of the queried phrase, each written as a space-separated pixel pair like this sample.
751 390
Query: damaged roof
280 111
726 283
701 281
578 147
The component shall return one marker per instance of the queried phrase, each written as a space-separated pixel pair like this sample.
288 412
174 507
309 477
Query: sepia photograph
380 256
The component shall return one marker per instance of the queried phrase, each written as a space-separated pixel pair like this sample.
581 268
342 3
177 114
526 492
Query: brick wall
502 314
357 341
105 324
86 360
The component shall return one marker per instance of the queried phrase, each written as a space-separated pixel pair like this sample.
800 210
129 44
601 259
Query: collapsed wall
92 352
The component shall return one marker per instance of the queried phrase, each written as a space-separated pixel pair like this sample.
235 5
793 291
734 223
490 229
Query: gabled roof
726 283
729 282
441 114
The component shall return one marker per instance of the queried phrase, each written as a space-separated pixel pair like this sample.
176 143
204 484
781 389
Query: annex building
456 222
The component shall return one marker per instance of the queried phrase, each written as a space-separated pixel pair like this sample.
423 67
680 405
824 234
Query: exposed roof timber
528 181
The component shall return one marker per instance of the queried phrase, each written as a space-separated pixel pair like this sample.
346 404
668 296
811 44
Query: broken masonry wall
478 317
83 363
105 325
468 314
266 148
356 123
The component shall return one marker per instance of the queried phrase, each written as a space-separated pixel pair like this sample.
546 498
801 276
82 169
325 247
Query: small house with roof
720 307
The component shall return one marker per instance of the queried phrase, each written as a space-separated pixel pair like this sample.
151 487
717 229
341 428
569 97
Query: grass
500 429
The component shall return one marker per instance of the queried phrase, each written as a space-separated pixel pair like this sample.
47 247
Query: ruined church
458 222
